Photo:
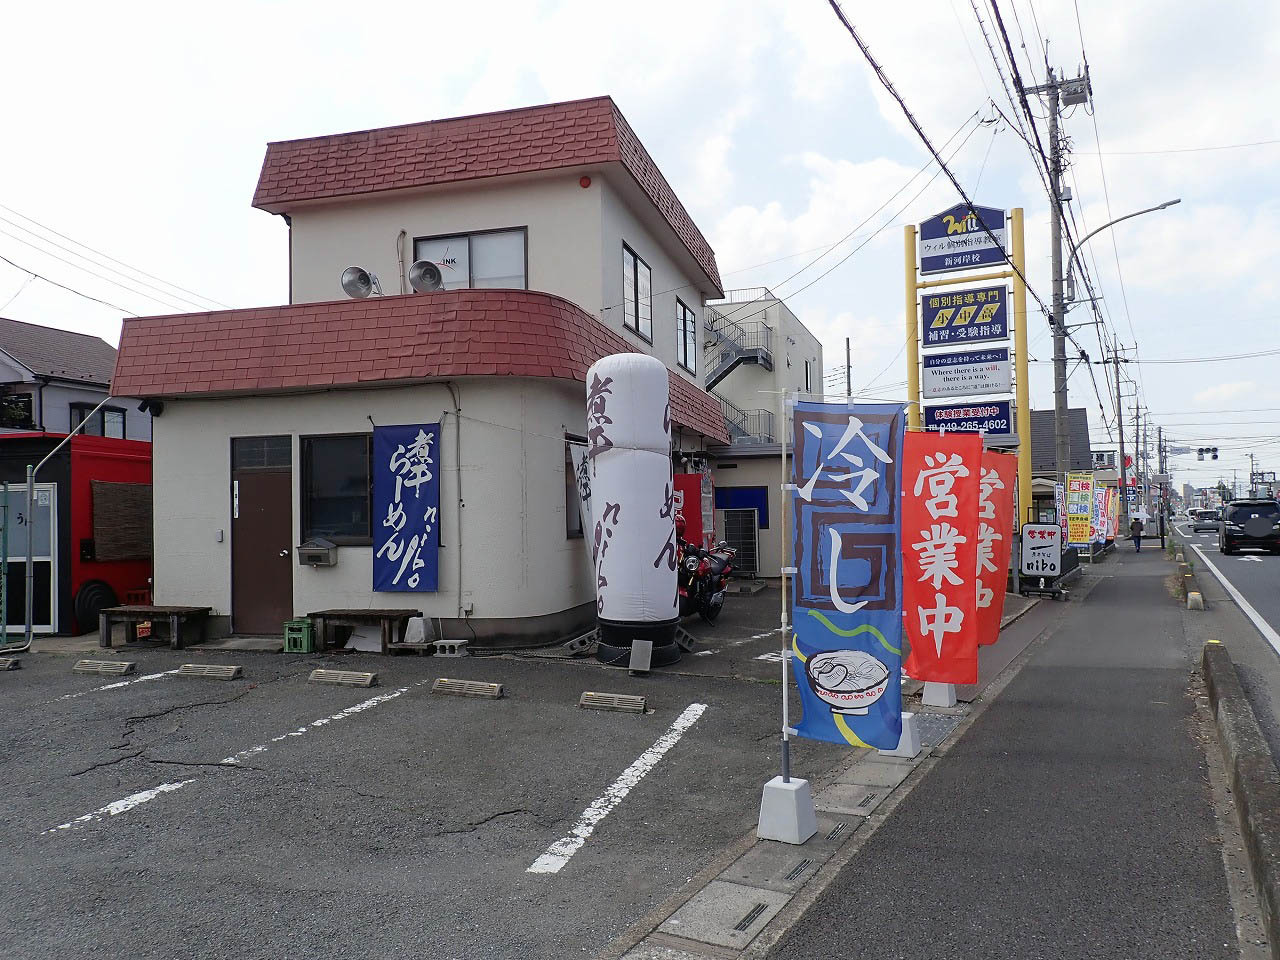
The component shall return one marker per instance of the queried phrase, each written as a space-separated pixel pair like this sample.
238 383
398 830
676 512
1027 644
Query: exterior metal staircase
746 426
729 343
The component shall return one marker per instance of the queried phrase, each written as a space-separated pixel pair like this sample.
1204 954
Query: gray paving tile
876 773
850 798
716 913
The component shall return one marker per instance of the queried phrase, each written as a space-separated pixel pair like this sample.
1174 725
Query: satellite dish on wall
358 283
425 277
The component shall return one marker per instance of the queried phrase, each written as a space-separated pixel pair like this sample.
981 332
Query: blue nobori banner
962 317
993 418
955 239
971 373
846 599
406 508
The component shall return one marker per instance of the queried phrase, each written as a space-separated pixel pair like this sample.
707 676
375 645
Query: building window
637 294
107 422
808 376
572 495
686 337
336 488
15 412
487 260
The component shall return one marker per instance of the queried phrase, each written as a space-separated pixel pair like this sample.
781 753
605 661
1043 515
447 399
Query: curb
1254 779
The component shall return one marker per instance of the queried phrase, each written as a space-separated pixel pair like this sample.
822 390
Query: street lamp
1071 260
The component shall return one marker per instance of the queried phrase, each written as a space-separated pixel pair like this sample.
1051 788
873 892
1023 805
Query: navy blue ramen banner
406 508
846 600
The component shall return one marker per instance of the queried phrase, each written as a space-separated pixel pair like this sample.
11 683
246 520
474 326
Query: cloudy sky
138 129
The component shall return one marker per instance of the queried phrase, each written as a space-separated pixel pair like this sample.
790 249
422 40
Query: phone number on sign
973 426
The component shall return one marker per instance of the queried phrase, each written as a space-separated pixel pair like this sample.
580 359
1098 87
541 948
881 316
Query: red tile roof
528 140
351 343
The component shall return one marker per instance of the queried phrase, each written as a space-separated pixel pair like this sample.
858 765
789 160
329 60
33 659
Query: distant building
1044 462
52 379
754 349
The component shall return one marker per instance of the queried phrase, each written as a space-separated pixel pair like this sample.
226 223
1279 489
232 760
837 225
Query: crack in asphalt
106 763
477 824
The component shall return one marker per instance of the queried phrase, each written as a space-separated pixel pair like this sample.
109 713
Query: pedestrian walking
1135 531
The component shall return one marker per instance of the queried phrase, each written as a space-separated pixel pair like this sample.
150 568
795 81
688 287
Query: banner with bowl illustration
846 599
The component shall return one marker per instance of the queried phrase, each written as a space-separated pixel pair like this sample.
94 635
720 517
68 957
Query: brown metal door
261 534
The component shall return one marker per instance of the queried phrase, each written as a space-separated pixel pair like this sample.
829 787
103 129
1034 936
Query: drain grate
798 869
10 663
211 671
344 678
617 702
838 830
109 668
467 688
868 800
752 916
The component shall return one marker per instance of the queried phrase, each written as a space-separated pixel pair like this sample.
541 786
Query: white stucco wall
757 472
562 219
517 561
620 224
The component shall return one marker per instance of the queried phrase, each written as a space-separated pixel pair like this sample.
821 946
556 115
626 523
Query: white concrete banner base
908 746
787 813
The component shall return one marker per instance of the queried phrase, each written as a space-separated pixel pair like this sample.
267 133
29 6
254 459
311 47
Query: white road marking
758 636
114 686
1268 632
125 804
1250 559
369 704
117 807
773 656
559 853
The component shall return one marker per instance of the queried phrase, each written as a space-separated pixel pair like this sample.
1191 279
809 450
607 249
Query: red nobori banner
940 476
995 539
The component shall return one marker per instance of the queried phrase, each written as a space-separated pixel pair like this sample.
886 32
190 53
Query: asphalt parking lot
160 816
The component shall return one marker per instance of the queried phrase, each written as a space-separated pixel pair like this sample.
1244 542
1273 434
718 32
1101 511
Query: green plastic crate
299 637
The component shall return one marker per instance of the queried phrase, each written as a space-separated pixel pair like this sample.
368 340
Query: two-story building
559 242
755 349
51 380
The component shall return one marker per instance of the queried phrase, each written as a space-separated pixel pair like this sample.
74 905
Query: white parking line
1264 628
558 853
361 707
125 804
117 807
114 686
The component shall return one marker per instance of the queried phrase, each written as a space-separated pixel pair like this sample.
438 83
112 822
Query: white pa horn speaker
425 277
358 283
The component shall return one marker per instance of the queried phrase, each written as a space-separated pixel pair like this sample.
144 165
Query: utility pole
1124 483
848 370
1253 472
1059 92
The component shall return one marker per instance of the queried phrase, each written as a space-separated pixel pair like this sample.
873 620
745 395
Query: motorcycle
704 576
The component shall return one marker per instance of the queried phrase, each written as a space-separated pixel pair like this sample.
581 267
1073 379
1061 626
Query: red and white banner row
957 533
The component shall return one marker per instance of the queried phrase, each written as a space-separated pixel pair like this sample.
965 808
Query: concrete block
1195 600
939 695
908 746
877 772
416 631
450 648
787 813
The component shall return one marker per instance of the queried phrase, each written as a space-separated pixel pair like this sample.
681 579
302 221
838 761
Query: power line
32 273
136 270
915 124
1150 153
168 304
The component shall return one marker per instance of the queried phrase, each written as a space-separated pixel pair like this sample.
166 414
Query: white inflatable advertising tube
633 540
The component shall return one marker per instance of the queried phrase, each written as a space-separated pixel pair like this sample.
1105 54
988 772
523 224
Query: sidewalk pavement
1073 819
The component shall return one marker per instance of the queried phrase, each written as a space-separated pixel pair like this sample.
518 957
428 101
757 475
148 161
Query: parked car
1250 523
1204 519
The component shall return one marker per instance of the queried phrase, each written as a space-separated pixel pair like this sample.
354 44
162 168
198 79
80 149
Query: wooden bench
392 623
134 613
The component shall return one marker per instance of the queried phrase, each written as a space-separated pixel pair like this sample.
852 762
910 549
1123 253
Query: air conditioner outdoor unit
318 553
